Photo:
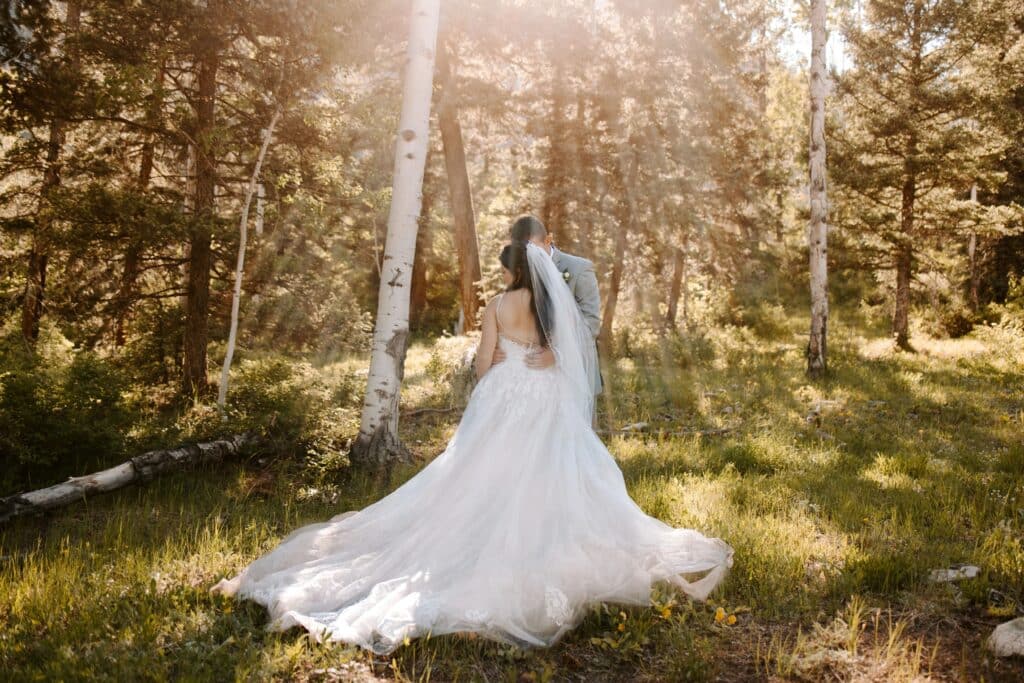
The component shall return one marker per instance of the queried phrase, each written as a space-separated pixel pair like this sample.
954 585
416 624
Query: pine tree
908 142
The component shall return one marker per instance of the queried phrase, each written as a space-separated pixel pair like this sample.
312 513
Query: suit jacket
582 283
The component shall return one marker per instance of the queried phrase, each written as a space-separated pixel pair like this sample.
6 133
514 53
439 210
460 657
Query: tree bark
424 241
904 255
39 252
460 195
586 180
972 254
817 236
686 289
614 286
243 233
197 300
133 253
554 209
627 210
675 288
378 442
140 468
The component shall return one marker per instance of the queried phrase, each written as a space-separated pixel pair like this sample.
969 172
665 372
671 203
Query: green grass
838 498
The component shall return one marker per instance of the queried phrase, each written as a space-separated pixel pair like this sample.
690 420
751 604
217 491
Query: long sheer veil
567 332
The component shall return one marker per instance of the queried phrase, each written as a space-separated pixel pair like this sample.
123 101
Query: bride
514 531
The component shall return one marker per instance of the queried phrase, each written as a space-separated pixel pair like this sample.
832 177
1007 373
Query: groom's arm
589 298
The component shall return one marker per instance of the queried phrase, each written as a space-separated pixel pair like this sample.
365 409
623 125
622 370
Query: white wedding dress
513 532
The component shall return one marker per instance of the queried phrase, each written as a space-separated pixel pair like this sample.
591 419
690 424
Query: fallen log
424 411
140 468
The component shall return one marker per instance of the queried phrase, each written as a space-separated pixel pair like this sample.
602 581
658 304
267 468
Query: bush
692 349
957 322
62 412
291 404
768 321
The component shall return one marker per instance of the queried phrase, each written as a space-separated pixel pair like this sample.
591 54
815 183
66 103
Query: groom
579 276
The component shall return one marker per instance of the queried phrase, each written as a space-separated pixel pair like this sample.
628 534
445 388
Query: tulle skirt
513 532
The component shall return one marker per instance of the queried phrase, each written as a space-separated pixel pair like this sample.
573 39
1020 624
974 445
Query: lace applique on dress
476 616
556 605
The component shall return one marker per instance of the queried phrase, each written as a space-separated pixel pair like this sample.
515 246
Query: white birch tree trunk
243 234
260 208
378 441
817 236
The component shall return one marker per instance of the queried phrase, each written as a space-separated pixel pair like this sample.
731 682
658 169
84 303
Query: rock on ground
1008 639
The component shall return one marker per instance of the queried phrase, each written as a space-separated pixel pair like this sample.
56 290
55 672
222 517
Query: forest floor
839 498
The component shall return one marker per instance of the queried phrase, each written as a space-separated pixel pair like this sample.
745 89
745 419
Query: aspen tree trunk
261 194
197 298
460 196
817 358
378 442
243 234
39 252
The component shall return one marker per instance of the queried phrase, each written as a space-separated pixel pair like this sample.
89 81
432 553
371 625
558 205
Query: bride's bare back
509 315
514 317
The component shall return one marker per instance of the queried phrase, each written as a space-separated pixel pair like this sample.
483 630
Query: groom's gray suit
579 274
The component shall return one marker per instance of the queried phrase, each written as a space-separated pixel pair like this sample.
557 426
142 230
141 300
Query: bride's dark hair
515 260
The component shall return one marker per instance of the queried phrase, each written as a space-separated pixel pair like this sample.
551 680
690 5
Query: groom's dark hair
525 228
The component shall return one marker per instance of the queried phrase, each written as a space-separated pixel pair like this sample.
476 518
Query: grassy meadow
839 498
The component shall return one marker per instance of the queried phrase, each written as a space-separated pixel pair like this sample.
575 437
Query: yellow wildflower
731 620
719 615
622 627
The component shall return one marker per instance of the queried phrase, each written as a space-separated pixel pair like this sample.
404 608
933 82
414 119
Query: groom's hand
498 357
540 359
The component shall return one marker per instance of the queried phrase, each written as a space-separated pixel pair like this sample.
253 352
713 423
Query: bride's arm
488 341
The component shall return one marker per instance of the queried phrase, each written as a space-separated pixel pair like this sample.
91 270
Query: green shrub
957 321
291 404
767 320
691 349
61 413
